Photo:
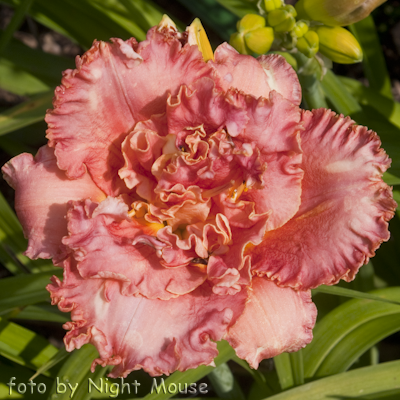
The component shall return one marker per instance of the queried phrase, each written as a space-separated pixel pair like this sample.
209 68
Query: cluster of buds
311 26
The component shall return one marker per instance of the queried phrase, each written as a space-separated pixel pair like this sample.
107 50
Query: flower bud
339 44
197 35
259 40
282 19
253 35
250 22
237 41
336 12
272 5
300 29
308 44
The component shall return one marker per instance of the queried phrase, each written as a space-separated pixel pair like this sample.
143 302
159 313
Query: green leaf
42 313
388 133
146 13
26 113
44 66
369 96
16 21
16 80
290 369
239 7
341 291
374 61
58 357
22 290
258 377
361 383
357 342
283 367
296 360
341 322
338 95
82 391
225 384
391 179
213 16
73 373
193 375
22 375
23 346
91 19
386 260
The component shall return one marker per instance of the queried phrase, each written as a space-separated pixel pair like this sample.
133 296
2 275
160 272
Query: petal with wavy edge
42 193
274 125
257 77
275 320
136 332
344 209
281 77
230 270
202 103
140 149
106 244
114 86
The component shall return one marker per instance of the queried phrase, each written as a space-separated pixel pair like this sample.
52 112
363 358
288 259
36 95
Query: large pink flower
190 201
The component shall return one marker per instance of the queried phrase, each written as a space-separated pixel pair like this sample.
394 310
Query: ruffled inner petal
274 126
275 320
42 193
107 244
344 209
136 332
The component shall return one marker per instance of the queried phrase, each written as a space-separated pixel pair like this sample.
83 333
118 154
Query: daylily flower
190 201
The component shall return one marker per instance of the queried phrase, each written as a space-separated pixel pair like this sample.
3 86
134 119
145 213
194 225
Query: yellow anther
237 190
197 36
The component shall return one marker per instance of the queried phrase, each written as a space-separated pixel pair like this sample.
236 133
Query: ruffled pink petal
274 126
231 269
281 77
140 149
107 244
275 320
239 71
42 193
344 209
136 332
181 206
257 77
114 86
204 104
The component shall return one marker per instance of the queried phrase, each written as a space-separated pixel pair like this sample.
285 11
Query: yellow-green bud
300 29
250 22
253 36
237 41
272 5
282 19
338 44
336 12
308 44
259 40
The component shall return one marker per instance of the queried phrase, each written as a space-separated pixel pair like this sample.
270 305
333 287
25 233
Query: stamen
237 190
